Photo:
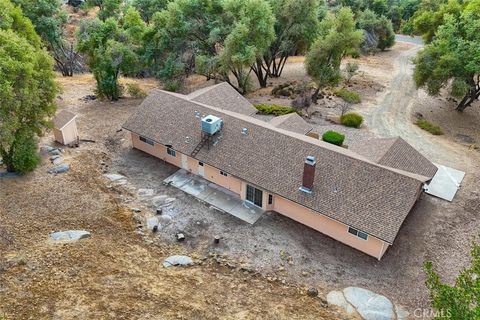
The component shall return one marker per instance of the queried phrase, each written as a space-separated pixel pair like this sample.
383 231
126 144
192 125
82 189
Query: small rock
137 210
312 292
59 169
52 158
57 161
55 152
180 237
177 261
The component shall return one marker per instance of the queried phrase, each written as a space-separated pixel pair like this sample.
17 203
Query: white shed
65 127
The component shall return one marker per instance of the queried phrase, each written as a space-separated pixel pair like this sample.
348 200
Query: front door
254 196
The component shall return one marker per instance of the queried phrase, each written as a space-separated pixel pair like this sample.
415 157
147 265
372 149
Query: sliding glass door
255 196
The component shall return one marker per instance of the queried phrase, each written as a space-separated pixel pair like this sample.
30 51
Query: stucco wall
338 231
210 173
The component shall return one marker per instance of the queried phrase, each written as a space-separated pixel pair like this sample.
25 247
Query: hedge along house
65 128
342 194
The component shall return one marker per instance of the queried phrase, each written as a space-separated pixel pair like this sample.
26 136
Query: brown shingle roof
62 118
223 96
291 122
348 187
396 153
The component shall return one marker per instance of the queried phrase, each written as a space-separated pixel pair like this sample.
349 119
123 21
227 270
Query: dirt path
391 115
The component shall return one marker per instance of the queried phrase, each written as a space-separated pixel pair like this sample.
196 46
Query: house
357 198
65 128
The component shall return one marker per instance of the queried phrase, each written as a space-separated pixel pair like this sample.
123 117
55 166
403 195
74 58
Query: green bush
135 91
427 126
274 109
333 137
348 96
351 119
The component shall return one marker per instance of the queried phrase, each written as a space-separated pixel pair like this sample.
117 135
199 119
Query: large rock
369 305
59 169
337 298
114 176
177 261
69 235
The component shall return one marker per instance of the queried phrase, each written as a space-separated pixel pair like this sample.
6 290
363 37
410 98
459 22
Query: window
146 140
270 199
358 233
171 152
200 163
223 173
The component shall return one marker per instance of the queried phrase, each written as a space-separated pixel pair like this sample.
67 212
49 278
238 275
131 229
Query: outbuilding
65 128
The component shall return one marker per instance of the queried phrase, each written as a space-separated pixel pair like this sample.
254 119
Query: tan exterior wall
338 231
68 134
58 135
188 163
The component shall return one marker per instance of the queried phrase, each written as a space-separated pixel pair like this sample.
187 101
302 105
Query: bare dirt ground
117 273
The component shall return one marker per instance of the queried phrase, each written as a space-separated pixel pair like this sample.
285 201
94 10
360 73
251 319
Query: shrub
348 96
427 126
135 91
351 119
333 137
274 109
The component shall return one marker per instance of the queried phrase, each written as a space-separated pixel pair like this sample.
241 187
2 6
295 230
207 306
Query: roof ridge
320 143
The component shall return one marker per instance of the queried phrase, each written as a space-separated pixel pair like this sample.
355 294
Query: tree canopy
210 37
460 301
112 47
338 37
378 31
452 59
296 27
26 102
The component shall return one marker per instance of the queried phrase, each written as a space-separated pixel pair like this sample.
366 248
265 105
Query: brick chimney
308 174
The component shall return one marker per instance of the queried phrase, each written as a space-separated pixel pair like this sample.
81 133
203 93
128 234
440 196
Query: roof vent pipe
308 174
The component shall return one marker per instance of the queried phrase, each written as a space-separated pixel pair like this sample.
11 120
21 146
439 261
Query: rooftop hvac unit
211 124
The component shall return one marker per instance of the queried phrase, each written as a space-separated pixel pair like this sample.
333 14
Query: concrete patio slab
445 183
222 199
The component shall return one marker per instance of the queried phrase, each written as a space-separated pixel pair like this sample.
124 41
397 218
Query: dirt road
392 115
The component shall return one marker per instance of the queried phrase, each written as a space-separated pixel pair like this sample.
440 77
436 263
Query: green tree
460 301
453 57
108 8
112 49
48 18
378 31
338 38
148 8
26 101
296 26
216 38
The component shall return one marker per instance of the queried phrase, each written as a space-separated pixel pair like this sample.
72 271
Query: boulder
69 235
336 298
177 261
369 305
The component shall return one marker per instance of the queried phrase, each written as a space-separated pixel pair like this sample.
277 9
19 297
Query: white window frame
359 234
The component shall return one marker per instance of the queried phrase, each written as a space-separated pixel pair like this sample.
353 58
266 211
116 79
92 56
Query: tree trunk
262 77
472 95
